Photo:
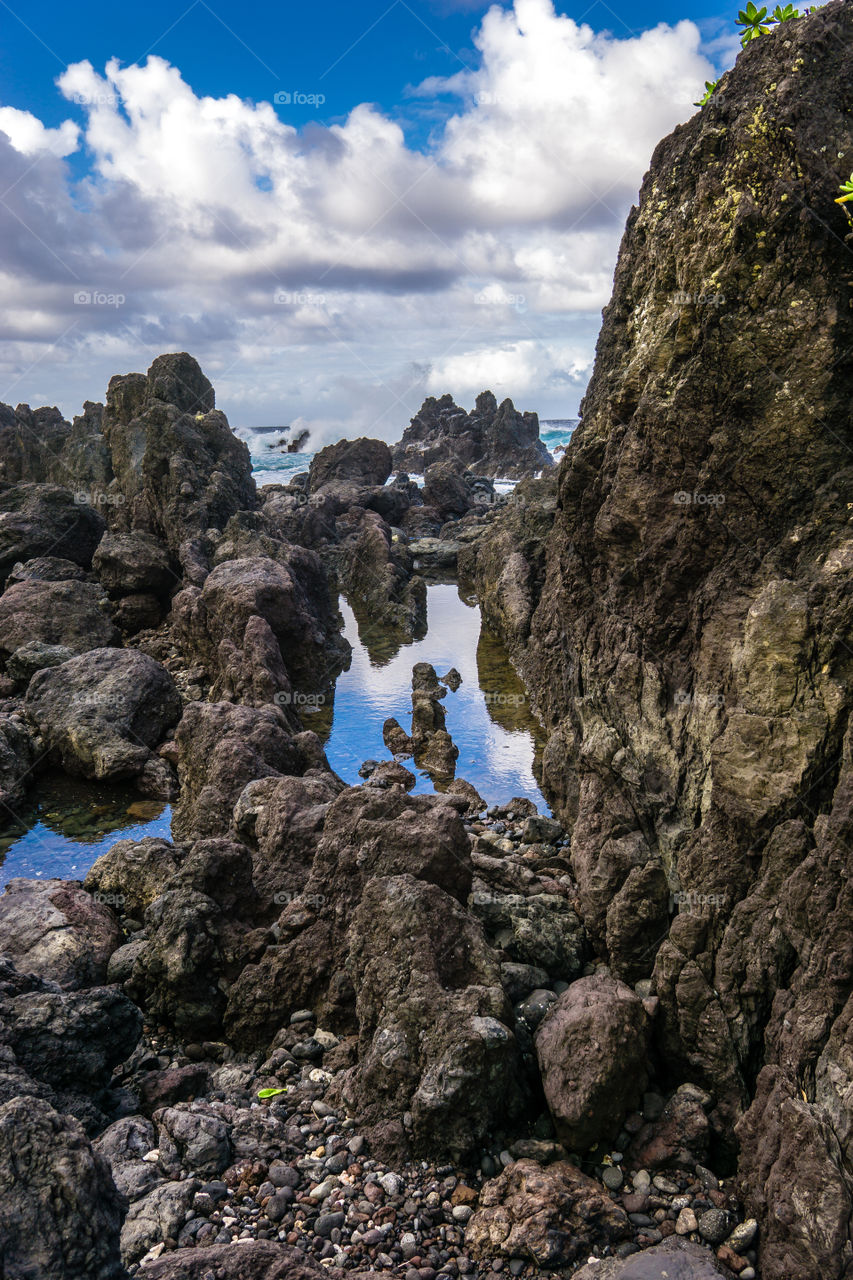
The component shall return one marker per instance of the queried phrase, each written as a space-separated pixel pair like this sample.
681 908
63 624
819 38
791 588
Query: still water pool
65 823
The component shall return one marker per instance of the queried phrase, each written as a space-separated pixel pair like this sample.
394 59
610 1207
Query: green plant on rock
846 196
710 87
270 1093
754 21
784 15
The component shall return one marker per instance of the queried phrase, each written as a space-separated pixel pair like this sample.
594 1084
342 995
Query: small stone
686 1222
516 1266
355 1146
664 1185
713 1226
748 1273
462 1212
301 1015
641 1180
743 1235
612 1178
277 1206
506 1159
707 1178
390 1184
327 1222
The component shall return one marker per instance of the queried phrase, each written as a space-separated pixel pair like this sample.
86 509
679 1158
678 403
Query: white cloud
484 260
28 135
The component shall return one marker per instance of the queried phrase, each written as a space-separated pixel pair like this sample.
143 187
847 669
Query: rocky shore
351 1030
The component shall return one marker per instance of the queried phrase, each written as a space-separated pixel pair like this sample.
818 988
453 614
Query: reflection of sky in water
65 824
496 758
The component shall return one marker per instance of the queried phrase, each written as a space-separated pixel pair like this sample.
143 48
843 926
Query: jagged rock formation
492 440
688 647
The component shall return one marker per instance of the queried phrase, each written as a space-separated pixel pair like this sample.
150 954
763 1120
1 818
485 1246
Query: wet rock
45 520
446 490
55 929
375 570
74 615
62 1213
396 739
475 802
593 1053
552 1214
101 713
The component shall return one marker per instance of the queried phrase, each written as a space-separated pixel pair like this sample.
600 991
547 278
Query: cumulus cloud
334 274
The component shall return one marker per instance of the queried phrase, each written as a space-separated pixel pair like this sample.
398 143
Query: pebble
748 1273
664 1185
714 1226
743 1235
390 1184
686 1222
641 1180
612 1178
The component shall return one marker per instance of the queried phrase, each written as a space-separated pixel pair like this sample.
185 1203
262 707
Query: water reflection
66 823
500 741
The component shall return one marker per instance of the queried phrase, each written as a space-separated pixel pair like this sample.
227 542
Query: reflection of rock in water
505 696
80 811
383 643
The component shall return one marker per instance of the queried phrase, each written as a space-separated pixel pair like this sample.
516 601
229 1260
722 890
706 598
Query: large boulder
101 713
133 873
593 1050
127 563
262 626
433 1019
367 833
57 930
61 1211
552 1215
75 615
45 520
357 463
222 748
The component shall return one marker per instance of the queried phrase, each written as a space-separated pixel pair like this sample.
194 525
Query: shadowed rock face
493 439
689 647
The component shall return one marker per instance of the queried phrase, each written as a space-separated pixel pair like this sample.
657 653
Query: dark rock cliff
690 648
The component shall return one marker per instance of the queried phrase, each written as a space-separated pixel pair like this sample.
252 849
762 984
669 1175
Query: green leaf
270 1093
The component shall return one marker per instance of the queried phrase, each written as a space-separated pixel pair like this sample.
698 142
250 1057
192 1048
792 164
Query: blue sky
437 174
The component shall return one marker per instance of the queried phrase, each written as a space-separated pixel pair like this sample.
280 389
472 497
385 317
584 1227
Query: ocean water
272 464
